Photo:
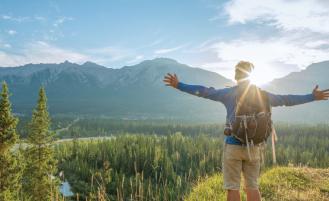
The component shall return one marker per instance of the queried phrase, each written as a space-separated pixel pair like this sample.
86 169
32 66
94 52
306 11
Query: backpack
253 123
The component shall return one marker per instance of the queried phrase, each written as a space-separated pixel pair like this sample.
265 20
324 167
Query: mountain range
138 92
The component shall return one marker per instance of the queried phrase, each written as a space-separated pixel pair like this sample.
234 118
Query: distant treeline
56 123
306 144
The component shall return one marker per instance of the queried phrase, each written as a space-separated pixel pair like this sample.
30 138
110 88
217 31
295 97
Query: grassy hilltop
276 184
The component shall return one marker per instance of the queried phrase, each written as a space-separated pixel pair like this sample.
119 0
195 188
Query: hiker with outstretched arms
248 125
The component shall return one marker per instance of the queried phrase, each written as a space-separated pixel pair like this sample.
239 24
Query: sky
278 36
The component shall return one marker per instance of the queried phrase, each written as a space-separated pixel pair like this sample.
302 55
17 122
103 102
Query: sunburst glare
261 76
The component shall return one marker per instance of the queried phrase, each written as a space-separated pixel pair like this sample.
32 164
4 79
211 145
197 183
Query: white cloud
110 54
317 43
300 36
269 55
168 50
40 52
206 45
44 52
62 20
4 45
156 42
40 18
6 17
136 59
22 19
7 45
291 15
12 18
214 18
53 54
11 32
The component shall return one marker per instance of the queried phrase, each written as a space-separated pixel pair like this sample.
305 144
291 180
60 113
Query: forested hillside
166 166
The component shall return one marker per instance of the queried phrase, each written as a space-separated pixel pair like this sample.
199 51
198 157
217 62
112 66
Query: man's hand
320 95
171 80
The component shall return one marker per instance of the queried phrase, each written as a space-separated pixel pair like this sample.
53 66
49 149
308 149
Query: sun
260 78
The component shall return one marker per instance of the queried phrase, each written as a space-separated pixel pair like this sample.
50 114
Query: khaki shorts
235 161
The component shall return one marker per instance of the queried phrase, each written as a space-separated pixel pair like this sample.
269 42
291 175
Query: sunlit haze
262 76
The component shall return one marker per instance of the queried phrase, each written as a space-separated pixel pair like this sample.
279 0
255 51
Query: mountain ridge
138 91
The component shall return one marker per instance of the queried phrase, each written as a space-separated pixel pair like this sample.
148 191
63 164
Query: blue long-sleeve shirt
227 96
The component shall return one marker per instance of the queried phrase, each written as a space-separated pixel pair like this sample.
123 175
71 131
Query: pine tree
40 183
10 170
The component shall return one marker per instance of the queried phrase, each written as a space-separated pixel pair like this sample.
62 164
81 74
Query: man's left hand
320 95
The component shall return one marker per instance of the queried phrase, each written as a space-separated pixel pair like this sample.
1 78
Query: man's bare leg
233 195
253 195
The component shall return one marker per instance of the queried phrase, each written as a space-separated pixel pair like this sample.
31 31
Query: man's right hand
171 80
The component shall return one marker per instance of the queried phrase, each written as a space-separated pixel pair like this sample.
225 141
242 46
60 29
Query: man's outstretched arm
197 90
290 100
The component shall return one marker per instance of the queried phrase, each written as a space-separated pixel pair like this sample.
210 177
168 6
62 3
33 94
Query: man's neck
243 82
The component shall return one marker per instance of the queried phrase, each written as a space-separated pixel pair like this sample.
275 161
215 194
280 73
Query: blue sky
277 36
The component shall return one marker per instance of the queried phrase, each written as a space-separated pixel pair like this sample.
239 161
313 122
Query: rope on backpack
245 124
274 139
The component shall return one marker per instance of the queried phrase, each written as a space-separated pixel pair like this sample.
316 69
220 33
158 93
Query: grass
276 184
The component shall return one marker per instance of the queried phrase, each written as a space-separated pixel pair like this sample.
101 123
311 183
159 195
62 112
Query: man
236 158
